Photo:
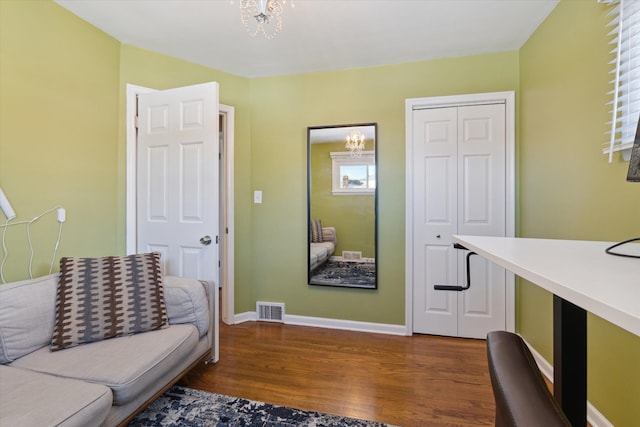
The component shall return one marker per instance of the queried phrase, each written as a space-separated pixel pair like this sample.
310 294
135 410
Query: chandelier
262 16
355 143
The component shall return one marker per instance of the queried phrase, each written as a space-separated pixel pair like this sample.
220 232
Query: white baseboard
348 325
594 417
320 322
245 317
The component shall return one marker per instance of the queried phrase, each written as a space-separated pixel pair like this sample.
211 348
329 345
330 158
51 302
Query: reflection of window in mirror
353 175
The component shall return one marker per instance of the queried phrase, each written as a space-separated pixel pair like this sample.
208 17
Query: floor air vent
352 255
270 311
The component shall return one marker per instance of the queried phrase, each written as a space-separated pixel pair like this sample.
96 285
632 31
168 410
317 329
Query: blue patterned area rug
185 407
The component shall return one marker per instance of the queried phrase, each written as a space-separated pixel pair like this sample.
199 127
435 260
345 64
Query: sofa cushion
187 302
27 313
322 250
329 235
127 365
313 260
129 291
32 399
319 253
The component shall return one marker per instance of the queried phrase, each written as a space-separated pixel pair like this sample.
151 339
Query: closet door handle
205 240
458 288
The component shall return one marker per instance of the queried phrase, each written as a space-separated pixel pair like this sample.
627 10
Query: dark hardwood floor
407 381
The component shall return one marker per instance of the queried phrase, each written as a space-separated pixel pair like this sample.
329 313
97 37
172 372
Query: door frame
226 251
508 98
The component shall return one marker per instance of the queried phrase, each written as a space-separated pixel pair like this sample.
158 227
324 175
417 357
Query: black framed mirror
342 186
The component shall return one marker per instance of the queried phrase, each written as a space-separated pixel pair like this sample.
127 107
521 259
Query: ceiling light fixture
355 143
262 16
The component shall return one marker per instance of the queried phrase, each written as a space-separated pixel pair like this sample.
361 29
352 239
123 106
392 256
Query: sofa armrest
187 302
329 235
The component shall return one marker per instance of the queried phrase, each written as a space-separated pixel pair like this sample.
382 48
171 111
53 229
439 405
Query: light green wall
58 132
71 60
353 216
282 109
569 191
76 156
62 133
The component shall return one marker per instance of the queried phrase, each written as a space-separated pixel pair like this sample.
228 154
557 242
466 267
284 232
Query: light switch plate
257 196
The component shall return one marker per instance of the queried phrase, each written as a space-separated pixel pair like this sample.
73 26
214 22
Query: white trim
131 108
229 259
507 98
594 417
347 325
625 150
408 241
247 316
545 367
343 158
132 92
321 322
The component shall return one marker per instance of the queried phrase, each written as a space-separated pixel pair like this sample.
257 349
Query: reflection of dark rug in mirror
341 273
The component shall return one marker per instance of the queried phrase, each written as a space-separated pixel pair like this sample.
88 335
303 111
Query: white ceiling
317 35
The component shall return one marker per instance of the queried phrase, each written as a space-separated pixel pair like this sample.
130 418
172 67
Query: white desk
582 278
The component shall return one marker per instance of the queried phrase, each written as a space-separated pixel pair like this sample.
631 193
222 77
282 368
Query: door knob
205 240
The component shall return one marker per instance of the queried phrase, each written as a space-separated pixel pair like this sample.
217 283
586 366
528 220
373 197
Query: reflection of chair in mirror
323 243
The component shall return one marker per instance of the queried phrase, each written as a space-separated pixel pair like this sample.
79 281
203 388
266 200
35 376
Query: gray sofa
102 383
319 252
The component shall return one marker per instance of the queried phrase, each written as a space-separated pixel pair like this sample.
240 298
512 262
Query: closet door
435 167
459 188
482 212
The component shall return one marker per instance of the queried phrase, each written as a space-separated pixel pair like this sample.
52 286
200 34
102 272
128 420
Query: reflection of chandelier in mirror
355 143
262 16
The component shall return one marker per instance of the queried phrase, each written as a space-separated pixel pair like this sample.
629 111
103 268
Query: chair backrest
521 394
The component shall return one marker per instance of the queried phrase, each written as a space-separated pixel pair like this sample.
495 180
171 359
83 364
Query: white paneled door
459 187
177 174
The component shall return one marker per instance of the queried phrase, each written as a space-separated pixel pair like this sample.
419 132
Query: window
625 27
353 175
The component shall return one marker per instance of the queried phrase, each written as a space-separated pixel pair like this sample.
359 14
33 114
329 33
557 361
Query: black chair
521 394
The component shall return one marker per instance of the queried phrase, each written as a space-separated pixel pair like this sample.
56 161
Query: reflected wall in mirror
342 190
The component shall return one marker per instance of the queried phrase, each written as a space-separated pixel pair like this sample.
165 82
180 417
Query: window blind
625 96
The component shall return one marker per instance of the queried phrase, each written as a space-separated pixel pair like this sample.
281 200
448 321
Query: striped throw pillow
100 298
316 231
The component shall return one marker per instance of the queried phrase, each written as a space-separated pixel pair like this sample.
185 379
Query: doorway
226 191
459 180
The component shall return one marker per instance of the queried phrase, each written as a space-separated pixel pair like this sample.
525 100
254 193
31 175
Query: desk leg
570 360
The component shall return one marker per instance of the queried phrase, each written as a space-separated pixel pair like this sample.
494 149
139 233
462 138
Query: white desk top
577 271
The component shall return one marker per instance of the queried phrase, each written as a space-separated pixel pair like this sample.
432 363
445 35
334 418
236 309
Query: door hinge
136 121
